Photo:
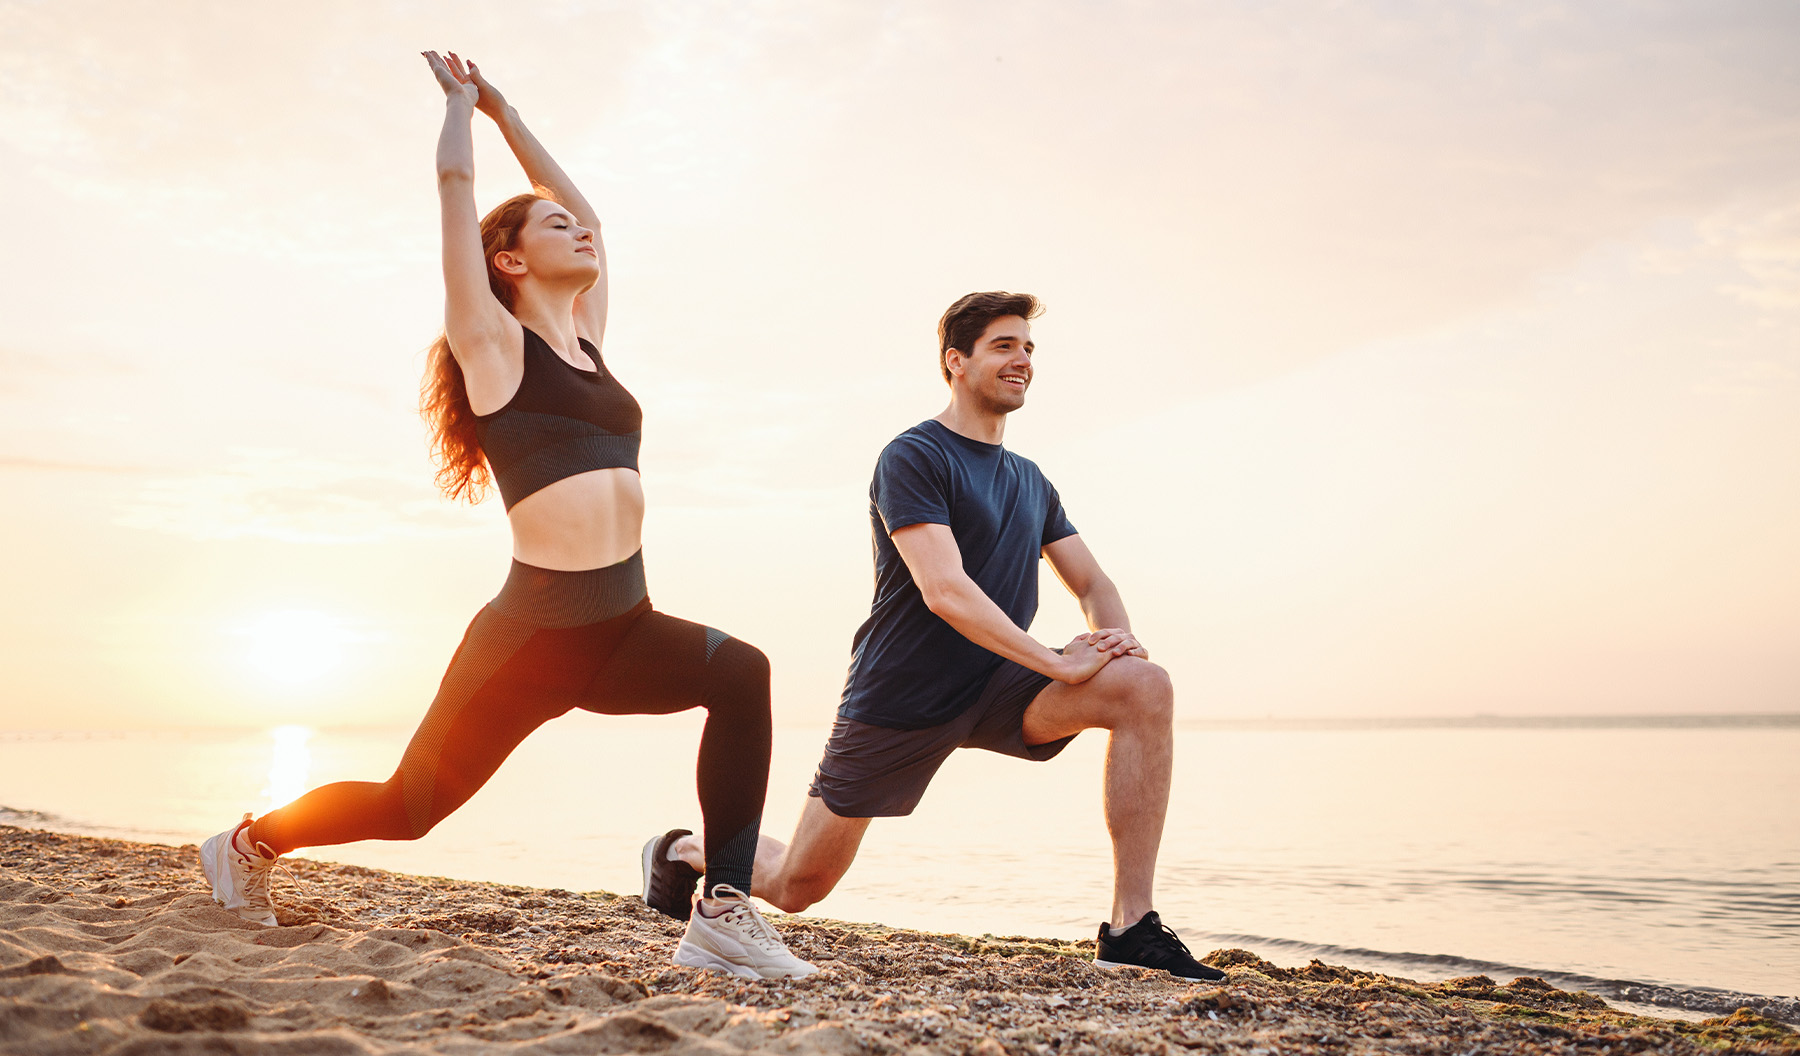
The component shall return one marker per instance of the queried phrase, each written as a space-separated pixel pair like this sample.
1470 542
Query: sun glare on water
288 764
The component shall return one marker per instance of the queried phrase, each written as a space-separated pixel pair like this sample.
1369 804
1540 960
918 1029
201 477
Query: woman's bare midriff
589 520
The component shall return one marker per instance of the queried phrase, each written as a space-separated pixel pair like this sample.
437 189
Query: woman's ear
509 263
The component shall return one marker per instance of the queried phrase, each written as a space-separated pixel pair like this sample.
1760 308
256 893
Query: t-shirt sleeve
910 487
1056 522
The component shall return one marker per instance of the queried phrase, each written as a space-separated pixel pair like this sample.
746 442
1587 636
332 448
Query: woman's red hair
462 470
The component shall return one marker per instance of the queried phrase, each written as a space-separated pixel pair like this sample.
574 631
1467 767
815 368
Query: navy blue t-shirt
908 668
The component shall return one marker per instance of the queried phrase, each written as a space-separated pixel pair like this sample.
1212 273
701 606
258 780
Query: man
943 661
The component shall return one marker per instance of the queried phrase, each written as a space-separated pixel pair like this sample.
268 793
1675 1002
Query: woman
516 392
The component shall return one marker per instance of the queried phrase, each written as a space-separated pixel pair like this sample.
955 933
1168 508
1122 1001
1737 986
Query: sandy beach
108 946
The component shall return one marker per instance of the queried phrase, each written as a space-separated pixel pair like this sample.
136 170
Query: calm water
1662 854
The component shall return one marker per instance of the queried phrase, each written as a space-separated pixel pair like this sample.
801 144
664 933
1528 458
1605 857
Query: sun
293 649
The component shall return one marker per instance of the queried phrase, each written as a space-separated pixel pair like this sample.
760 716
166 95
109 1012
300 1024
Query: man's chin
1004 403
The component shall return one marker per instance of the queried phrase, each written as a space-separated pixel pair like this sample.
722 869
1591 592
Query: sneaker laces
259 871
1166 941
748 919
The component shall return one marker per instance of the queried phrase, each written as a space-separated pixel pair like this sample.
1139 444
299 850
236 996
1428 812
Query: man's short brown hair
967 319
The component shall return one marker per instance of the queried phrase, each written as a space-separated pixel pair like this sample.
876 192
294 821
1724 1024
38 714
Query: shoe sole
215 870
649 859
210 866
694 957
649 864
1127 964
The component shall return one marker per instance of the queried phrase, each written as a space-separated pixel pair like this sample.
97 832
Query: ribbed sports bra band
561 421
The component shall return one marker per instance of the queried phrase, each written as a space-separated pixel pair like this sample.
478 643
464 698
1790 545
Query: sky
1400 358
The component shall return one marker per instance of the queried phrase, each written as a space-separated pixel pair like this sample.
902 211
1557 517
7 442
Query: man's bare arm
1080 573
931 554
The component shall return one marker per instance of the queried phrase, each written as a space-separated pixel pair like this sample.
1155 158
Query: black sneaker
669 886
1152 944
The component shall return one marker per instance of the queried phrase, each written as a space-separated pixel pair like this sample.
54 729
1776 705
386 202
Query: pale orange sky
1400 359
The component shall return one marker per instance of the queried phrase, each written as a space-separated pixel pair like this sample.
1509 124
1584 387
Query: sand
115 947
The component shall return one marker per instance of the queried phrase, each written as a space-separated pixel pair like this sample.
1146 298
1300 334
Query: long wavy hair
462 469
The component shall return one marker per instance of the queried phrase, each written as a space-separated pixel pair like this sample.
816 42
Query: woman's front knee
738 660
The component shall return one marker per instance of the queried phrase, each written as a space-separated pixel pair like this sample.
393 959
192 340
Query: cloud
1764 242
1280 179
289 498
13 462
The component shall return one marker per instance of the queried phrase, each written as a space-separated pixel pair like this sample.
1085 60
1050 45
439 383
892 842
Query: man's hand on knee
1115 640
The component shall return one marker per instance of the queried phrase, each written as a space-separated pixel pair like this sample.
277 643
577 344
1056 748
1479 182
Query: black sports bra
561 421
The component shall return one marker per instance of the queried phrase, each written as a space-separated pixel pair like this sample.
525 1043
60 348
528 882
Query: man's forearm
973 614
1103 607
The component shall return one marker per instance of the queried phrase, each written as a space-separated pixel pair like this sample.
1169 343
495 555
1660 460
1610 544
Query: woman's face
554 248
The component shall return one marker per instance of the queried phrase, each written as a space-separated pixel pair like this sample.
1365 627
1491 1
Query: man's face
997 371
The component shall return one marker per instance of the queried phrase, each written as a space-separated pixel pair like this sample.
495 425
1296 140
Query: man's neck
976 424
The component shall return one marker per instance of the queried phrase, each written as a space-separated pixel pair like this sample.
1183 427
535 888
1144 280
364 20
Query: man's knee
1143 691
799 892
825 844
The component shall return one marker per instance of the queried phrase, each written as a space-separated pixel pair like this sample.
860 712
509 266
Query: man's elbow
940 599
1095 591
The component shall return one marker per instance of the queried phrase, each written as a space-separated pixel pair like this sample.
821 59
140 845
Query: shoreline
107 944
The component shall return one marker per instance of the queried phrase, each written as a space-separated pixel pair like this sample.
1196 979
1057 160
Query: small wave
38 819
27 819
1692 1002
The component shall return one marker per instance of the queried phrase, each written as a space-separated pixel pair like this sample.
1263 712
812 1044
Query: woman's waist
586 521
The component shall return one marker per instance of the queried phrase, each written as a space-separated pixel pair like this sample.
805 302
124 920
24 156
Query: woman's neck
550 314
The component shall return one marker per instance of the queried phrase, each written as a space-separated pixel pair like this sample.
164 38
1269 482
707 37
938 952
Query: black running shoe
669 886
1152 944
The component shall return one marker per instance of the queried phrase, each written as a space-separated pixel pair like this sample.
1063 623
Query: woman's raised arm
478 326
548 179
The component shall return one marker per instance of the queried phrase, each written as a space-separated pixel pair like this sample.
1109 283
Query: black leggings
552 641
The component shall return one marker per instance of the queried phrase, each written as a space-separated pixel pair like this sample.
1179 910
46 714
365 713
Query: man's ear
953 361
509 263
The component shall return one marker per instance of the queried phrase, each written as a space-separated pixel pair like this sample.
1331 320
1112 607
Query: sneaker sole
210 865
1127 964
215 871
649 856
694 957
649 861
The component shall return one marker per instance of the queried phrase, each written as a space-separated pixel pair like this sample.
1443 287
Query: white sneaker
737 940
240 881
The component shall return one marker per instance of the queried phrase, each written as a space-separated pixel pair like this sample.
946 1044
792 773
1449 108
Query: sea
1654 861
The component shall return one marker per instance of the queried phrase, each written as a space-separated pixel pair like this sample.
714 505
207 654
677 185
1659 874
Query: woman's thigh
659 667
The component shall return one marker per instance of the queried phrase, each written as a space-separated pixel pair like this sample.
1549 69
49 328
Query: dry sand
115 947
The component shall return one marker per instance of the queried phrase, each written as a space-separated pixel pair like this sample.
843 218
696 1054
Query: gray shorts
879 772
